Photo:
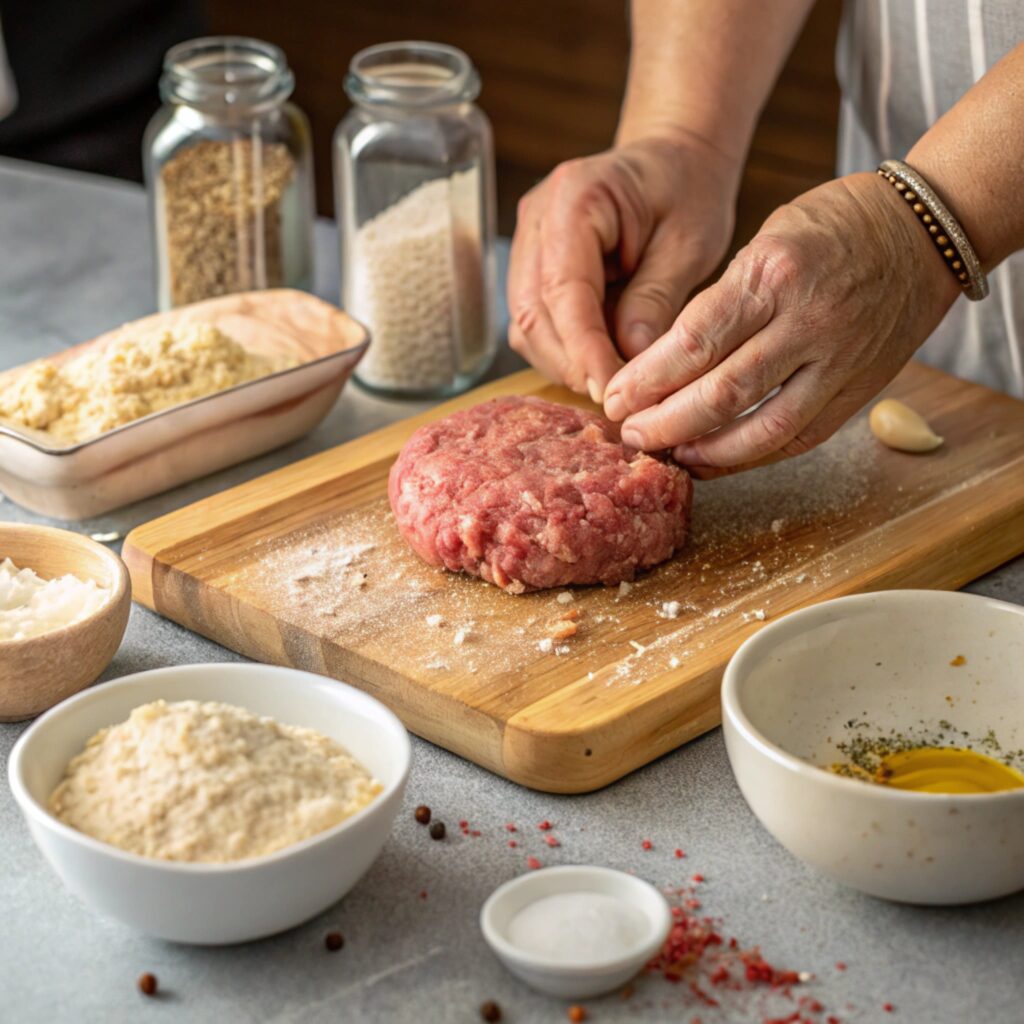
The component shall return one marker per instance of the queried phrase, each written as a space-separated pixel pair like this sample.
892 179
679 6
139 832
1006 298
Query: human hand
828 301
656 214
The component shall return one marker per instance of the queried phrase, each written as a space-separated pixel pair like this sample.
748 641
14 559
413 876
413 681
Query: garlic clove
898 426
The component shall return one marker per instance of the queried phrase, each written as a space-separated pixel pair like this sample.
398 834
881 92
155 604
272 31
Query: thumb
657 292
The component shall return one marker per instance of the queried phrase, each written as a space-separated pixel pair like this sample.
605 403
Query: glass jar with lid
414 181
229 172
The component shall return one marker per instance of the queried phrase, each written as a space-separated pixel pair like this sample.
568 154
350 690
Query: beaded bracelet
945 230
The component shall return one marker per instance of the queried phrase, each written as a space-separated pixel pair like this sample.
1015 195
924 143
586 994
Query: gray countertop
74 261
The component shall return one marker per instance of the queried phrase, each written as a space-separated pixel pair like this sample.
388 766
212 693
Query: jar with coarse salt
414 180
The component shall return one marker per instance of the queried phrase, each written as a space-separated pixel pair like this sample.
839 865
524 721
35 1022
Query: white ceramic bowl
882 659
572 981
214 904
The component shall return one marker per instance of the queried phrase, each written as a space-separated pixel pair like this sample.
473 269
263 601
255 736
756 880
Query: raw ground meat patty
529 494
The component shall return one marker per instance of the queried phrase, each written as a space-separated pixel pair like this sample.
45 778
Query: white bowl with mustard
214 804
880 738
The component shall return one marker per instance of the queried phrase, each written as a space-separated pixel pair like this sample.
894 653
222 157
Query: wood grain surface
304 567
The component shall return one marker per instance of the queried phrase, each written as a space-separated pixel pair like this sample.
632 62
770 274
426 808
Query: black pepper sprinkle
437 830
422 814
490 1011
334 941
147 984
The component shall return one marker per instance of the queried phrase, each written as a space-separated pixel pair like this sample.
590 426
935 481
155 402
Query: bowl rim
119 591
507 951
40 815
7 430
797 621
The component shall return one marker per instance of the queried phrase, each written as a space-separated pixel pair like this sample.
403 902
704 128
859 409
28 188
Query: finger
655 295
808 409
575 234
531 332
728 391
713 324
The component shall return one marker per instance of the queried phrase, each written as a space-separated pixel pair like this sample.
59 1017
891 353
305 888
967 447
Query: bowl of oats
171 397
212 804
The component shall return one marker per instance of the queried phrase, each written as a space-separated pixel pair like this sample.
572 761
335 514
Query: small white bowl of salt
575 931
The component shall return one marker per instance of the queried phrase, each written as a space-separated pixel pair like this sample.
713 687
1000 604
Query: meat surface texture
529 494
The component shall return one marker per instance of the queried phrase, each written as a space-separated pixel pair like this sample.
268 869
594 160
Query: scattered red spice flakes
423 894
888 1007
720 975
698 878
463 823
759 971
678 854
794 1018
532 863
577 1014
512 843
693 904
509 827
840 966
551 841
647 844
703 996
545 826
833 1020
475 833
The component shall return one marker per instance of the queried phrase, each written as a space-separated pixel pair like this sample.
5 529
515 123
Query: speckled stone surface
74 260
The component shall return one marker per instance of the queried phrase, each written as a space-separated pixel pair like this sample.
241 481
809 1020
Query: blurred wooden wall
553 74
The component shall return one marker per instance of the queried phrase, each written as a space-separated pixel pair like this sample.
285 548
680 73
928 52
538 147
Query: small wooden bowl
41 671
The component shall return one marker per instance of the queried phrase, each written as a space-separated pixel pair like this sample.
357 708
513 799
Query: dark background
552 72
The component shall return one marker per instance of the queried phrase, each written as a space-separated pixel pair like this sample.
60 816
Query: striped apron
901 65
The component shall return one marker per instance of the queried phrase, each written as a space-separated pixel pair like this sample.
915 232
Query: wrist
906 238
953 183
690 152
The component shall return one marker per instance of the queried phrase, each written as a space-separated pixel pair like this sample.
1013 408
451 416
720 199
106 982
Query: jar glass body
414 181
229 172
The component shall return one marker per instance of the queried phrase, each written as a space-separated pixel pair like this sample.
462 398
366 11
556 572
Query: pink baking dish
179 444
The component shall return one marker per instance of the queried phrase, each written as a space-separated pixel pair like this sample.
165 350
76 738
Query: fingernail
632 437
641 337
686 454
594 391
614 407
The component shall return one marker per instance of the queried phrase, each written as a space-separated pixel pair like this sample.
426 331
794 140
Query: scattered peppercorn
577 1014
422 814
147 984
437 830
334 941
490 1011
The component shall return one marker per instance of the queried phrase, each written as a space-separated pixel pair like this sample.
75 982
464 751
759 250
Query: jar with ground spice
414 180
229 173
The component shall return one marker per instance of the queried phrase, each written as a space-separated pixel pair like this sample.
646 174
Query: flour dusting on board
352 580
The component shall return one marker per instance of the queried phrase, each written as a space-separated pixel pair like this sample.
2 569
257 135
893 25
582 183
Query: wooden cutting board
304 567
